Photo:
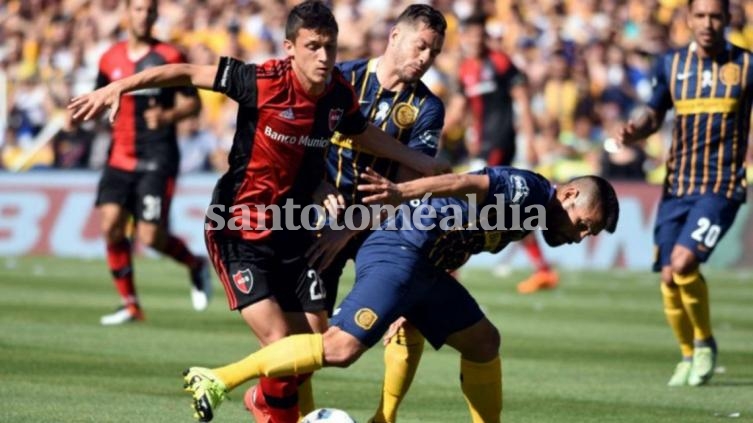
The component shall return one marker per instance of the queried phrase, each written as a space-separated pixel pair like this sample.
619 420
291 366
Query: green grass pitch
595 350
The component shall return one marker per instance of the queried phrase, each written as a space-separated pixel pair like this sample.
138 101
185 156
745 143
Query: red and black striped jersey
134 146
282 132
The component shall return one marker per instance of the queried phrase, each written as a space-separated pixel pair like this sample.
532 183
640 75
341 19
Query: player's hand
88 106
328 196
155 116
392 331
327 246
382 190
627 134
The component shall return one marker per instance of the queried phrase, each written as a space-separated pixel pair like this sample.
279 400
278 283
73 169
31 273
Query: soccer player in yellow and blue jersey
709 84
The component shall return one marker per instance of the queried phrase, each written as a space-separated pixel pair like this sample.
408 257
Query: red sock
177 250
281 395
119 260
534 253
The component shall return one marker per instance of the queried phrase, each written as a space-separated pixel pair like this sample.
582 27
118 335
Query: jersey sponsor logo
481 88
365 318
684 76
404 115
707 78
303 140
244 280
383 109
729 74
287 114
520 189
334 118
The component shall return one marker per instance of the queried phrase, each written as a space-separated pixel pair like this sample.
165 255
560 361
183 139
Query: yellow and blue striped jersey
712 102
413 115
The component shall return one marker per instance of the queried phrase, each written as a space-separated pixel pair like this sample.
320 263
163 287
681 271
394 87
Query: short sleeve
237 80
517 187
428 127
661 98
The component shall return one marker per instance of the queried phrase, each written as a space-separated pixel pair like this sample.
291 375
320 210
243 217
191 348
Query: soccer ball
328 415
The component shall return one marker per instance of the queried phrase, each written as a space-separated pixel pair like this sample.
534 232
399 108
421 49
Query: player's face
707 19
571 221
313 56
416 47
141 16
473 40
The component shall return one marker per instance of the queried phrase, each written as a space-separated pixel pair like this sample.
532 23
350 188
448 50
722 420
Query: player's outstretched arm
639 128
174 75
383 145
383 190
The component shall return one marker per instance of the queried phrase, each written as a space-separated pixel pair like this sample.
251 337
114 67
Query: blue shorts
393 279
697 222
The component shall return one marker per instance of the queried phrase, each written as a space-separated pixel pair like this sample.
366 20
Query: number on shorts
316 289
706 233
152 207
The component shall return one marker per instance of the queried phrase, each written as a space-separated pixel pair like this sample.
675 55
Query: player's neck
387 75
138 46
711 51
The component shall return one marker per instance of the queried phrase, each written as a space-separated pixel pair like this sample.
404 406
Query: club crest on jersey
729 74
404 115
365 318
334 118
244 280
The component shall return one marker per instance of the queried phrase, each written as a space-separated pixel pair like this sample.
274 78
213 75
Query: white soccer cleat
124 314
201 290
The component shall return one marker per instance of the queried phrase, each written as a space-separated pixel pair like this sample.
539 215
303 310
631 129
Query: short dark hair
725 5
432 17
606 196
476 19
311 14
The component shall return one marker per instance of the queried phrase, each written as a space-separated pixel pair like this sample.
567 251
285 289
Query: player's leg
670 217
154 196
112 204
402 354
448 314
707 222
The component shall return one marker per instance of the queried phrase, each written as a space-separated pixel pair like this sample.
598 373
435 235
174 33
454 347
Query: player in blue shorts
402 271
709 83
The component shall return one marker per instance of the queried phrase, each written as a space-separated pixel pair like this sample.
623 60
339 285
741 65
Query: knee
683 262
341 349
113 233
149 236
666 276
489 343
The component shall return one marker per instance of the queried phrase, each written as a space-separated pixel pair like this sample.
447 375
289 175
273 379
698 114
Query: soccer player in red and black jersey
287 112
489 84
139 177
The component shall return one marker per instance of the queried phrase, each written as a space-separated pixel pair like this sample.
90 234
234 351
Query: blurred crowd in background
587 62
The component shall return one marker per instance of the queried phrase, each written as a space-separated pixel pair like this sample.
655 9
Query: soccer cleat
124 314
207 391
681 374
542 279
704 362
201 290
259 411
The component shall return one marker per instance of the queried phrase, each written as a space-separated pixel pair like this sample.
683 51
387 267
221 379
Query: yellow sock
695 299
305 397
678 319
401 358
482 388
292 355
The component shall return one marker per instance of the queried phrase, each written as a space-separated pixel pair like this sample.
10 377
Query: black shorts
146 195
251 271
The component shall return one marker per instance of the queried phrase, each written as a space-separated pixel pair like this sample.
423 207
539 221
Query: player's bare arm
383 145
90 105
638 129
521 95
449 185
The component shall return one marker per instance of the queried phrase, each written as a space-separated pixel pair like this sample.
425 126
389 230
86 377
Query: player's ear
288 46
